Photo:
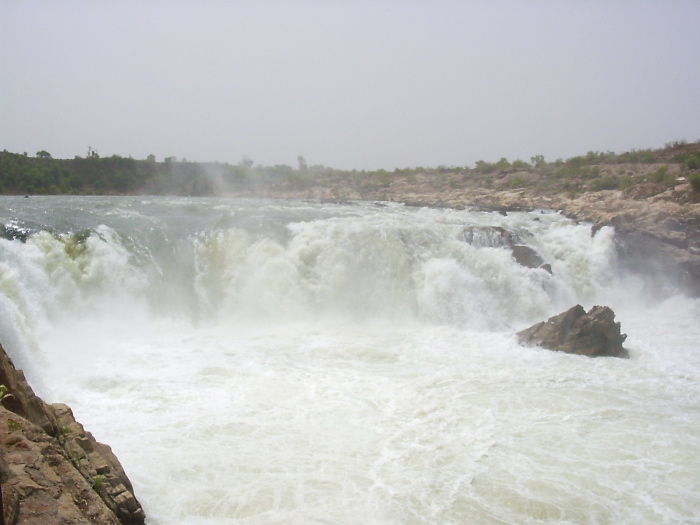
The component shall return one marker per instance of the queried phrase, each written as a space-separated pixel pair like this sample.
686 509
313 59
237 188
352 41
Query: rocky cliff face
51 469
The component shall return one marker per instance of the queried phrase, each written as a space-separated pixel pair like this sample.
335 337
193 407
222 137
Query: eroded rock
56 471
594 333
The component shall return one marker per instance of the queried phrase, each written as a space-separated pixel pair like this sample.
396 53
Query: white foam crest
584 262
352 371
51 279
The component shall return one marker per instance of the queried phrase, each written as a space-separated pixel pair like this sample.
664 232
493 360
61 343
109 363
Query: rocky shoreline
657 226
51 469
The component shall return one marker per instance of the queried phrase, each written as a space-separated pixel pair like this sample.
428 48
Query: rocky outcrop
52 470
499 237
594 333
668 249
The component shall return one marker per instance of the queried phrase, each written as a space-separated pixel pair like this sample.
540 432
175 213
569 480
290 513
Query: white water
268 362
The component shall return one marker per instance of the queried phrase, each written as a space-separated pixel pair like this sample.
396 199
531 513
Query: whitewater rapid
255 361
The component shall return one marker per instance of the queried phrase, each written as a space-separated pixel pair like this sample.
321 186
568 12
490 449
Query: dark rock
526 256
498 237
488 237
594 333
670 256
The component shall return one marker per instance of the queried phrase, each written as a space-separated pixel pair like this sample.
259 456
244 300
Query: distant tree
43 154
520 164
151 158
538 161
484 167
303 166
246 162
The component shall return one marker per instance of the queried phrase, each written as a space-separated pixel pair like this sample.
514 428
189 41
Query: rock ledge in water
594 333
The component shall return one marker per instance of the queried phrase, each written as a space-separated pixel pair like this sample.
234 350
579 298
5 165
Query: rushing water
256 362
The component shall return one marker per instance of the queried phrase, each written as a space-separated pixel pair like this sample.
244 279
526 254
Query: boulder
488 237
498 237
529 258
594 333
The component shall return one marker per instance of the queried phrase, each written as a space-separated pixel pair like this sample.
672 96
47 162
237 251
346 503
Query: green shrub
517 182
626 182
692 161
646 156
694 179
609 182
484 167
520 164
662 176
98 482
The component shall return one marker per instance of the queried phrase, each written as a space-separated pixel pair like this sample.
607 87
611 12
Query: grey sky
348 84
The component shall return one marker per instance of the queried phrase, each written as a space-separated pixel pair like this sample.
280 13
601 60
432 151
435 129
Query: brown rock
51 469
594 333
23 401
98 464
49 488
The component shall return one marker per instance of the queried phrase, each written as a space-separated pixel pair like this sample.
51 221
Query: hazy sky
348 84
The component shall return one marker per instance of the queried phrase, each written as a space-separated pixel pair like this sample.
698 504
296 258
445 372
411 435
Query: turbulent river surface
289 362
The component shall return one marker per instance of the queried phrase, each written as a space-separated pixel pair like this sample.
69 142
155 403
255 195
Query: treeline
94 175
43 175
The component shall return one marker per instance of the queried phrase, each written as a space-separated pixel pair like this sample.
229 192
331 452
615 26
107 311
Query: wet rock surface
498 237
575 331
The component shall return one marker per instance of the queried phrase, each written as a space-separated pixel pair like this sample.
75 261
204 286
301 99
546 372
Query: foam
258 362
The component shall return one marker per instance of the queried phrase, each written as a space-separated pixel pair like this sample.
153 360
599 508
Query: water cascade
255 361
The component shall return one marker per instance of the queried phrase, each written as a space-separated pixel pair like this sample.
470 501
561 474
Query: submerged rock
52 470
498 237
594 333
529 258
488 237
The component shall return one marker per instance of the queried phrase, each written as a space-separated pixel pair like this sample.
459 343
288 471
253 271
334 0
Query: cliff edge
51 469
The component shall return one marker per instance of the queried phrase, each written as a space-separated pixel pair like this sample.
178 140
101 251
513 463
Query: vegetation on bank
42 174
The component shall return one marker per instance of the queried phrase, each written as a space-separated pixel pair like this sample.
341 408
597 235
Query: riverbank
51 469
657 219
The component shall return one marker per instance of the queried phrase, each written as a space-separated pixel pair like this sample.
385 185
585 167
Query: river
258 361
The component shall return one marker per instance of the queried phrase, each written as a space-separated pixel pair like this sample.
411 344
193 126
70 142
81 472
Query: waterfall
261 361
